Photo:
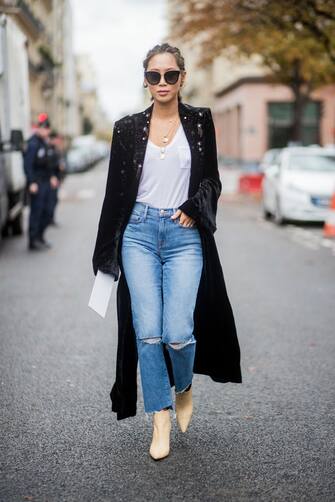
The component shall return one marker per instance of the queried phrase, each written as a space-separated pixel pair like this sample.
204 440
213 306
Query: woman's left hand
184 220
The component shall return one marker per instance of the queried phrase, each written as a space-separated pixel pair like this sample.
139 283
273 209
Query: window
280 123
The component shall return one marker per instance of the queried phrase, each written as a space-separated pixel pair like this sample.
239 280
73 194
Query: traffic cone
329 226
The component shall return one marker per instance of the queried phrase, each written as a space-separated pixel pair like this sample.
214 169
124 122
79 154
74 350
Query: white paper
101 293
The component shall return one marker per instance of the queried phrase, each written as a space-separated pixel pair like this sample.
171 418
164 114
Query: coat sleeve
105 251
202 206
28 161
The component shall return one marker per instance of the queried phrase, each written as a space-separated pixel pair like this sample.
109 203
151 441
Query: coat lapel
192 122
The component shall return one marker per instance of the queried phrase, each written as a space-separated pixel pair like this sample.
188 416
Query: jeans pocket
135 216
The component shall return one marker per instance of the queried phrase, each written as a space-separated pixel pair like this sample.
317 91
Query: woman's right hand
184 219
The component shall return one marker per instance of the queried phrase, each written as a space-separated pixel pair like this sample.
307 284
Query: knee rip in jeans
173 345
151 340
180 345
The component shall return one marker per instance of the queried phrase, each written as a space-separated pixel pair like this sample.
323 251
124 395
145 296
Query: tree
295 39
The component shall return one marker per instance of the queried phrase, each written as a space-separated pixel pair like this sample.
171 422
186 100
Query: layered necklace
166 137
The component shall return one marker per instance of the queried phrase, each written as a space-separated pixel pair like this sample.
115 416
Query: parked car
269 158
85 152
76 160
299 184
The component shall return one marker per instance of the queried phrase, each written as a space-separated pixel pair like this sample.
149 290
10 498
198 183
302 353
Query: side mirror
16 139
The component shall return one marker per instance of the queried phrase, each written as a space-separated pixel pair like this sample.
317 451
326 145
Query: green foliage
295 39
48 60
87 126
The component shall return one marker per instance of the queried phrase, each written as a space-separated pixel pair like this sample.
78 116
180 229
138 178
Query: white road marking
83 194
86 193
327 243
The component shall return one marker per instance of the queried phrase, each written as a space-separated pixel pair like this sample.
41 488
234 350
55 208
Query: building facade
252 116
47 25
91 118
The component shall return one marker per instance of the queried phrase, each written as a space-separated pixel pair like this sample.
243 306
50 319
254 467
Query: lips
162 92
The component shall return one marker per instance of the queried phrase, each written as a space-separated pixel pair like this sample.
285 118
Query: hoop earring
145 85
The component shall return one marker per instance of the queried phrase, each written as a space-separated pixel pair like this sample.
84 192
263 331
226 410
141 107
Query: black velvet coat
217 348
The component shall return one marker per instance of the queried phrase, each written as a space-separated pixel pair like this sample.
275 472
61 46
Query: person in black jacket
136 244
40 181
57 170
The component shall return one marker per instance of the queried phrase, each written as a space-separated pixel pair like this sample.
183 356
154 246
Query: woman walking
156 225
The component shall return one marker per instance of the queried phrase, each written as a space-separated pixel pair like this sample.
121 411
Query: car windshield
312 162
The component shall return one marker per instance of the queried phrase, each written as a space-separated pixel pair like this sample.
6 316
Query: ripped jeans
162 262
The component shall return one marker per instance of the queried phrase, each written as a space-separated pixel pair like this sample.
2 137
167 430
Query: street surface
270 438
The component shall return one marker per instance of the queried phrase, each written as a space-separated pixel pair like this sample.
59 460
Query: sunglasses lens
171 76
153 77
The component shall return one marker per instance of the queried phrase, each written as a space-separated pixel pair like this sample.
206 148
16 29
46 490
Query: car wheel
278 216
17 225
266 214
5 230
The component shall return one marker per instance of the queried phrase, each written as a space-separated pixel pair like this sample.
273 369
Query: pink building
252 116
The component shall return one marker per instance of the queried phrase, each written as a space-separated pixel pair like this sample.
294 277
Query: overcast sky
117 35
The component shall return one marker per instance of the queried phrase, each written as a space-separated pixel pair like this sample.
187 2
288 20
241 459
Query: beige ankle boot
160 445
184 408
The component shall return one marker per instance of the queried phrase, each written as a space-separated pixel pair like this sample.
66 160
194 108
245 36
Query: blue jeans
162 262
40 210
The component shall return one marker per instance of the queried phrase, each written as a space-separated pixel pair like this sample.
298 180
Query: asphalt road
270 438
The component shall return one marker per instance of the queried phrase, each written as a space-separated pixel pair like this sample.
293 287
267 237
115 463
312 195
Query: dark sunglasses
154 77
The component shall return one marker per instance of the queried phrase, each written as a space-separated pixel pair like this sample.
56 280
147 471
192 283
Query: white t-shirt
164 182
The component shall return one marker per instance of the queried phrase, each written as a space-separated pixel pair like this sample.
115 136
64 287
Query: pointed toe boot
184 409
160 445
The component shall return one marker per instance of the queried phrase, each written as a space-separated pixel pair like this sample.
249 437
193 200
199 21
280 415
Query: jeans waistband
154 211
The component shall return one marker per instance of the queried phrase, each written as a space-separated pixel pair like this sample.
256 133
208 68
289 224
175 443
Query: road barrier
250 183
329 226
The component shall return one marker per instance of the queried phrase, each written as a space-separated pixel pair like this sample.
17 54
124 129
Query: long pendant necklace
166 139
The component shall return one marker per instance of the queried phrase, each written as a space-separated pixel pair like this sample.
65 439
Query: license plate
322 201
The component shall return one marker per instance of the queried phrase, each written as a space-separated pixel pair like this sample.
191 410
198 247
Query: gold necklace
165 138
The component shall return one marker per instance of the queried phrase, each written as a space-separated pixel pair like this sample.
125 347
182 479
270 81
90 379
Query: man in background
40 180
57 166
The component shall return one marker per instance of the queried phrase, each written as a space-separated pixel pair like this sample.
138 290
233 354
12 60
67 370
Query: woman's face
162 63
